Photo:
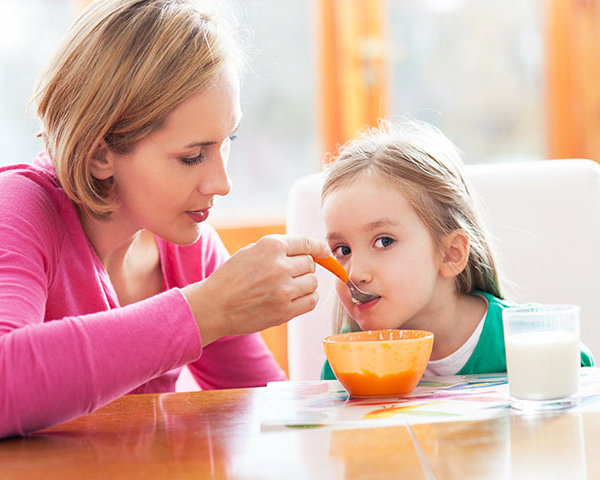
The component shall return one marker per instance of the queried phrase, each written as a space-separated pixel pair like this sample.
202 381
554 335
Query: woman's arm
59 370
52 371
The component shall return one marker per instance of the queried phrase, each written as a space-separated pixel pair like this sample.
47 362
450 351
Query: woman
110 281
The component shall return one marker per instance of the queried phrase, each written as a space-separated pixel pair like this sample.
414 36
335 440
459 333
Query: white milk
542 365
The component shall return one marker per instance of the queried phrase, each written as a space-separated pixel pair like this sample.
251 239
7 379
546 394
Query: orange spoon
335 267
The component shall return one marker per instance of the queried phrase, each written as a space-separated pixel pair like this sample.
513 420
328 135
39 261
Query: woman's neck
110 239
129 256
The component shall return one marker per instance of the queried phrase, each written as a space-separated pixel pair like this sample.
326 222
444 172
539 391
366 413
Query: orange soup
369 384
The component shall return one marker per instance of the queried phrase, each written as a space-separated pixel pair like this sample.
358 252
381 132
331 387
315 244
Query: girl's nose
359 272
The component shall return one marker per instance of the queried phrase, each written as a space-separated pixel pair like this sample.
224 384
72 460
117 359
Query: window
278 138
475 70
29 33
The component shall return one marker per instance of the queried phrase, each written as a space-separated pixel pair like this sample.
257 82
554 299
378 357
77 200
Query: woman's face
167 184
378 237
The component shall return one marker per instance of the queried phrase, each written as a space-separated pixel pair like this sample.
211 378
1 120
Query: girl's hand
262 285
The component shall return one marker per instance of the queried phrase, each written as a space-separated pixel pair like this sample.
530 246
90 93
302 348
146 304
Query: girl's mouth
361 307
198 215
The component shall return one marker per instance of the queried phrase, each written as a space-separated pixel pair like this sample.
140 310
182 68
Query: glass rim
542 309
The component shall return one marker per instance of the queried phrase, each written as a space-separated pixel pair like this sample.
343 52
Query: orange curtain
573 79
353 68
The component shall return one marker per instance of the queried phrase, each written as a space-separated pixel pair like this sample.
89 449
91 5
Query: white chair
544 220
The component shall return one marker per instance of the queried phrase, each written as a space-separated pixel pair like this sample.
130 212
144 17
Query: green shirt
489 355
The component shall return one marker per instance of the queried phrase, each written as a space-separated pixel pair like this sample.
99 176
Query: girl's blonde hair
428 167
123 66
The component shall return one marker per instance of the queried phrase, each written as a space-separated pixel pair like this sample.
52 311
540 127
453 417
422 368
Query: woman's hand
262 285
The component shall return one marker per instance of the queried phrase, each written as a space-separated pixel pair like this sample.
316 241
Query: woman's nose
215 180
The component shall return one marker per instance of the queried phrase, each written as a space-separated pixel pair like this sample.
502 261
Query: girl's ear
455 253
101 162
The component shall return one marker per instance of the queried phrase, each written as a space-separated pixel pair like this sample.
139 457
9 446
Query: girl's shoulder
495 303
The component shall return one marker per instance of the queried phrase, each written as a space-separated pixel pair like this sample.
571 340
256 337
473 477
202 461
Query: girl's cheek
342 291
344 294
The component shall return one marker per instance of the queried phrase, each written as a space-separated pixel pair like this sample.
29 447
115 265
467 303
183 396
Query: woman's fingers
303 285
304 304
300 265
262 285
299 251
299 245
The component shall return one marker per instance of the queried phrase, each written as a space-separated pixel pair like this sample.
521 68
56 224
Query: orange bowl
379 362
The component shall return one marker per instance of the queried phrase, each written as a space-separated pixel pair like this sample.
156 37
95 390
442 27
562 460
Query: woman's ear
101 162
455 253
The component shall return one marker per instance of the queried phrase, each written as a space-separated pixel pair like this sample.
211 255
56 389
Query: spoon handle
334 267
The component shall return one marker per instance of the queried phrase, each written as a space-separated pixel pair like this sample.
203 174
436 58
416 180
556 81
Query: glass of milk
542 356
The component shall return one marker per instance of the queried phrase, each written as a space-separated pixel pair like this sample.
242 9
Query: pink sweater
66 346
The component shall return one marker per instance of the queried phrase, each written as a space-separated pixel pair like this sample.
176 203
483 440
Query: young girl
400 218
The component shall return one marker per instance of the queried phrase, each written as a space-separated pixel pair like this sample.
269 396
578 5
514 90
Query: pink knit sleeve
56 371
236 362
53 371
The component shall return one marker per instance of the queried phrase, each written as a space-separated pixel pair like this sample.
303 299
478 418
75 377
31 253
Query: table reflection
218 434
276 454
375 452
547 446
466 450
161 435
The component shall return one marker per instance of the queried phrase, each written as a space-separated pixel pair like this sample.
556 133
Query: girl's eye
192 160
341 251
232 137
383 242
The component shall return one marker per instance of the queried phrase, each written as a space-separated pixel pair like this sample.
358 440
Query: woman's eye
341 251
383 242
191 160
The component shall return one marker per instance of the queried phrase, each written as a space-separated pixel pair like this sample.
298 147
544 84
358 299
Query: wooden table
217 433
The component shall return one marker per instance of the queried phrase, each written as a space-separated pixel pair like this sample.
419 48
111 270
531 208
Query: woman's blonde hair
428 167
123 66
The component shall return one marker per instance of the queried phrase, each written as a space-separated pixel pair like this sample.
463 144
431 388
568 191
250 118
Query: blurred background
507 81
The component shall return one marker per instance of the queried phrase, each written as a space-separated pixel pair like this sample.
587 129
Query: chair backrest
544 222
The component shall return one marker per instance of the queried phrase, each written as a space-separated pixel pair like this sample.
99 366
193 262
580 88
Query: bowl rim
335 337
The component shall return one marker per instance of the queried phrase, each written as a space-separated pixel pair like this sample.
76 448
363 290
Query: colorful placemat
310 404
